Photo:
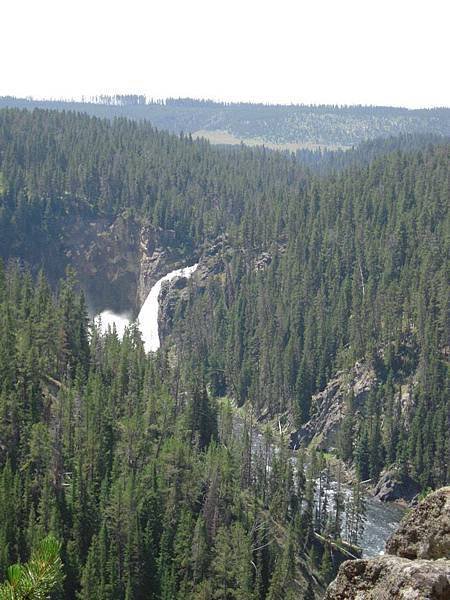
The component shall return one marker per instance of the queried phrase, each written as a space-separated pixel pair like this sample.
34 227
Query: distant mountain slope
324 161
282 126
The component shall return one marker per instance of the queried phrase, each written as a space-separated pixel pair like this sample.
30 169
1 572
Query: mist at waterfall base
108 319
148 315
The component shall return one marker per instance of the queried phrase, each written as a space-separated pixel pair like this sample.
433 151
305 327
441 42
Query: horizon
96 99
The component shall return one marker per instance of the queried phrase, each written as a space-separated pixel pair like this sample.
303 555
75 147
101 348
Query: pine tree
326 567
37 578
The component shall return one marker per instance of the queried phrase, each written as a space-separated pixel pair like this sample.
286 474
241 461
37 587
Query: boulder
391 578
416 566
394 486
425 531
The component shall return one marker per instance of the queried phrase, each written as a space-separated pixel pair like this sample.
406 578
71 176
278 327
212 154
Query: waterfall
148 315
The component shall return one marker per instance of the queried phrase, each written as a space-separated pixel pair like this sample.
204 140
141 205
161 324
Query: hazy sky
320 51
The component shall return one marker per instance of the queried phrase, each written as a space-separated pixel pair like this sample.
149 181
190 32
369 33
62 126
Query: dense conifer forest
140 472
143 466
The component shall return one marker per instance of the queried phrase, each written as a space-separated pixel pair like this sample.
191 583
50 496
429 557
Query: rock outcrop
417 566
425 531
328 407
391 578
392 485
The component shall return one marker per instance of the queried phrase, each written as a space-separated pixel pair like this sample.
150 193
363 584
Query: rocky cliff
119 260
417 563
328 406
425 531
212 264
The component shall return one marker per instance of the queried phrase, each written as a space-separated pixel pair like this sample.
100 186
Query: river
381 518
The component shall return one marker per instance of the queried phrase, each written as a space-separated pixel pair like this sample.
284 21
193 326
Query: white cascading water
148 315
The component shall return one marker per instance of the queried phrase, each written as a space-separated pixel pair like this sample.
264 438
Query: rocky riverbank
417 563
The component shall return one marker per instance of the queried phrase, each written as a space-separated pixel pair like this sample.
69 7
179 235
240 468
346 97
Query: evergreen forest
172 475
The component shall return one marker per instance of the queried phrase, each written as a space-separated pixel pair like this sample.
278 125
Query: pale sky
393 52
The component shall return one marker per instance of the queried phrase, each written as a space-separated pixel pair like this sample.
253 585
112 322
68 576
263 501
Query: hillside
287 127
361 257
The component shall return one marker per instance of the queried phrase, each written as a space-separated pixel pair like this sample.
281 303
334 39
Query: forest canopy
136 463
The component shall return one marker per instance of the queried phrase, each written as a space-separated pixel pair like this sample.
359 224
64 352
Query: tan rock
417 566
425 531
391 578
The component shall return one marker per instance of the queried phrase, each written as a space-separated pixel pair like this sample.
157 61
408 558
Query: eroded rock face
158 255
328 407
391 578
425 531
416 566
